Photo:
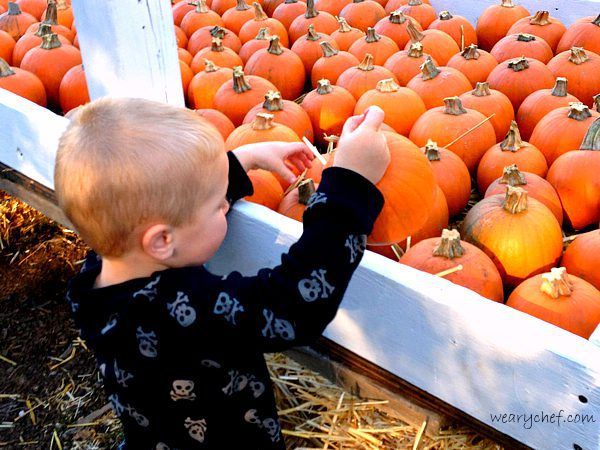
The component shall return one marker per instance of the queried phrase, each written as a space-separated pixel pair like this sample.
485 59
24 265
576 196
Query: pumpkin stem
311 11
428 69
305 191
518 64
240 85
453 106
578 55
44 29
328 50
331 140
367 63
414 34
415 50
14 9
287 2
218 31
217 45
415 2
445 15
541 18
524 37
263 122
512 142
471 52
482 89
263 34
344 27
324 87
579 111
397 17
556 283
516 200
372 36
560 87
449 246
201 7
387 85
210 66
507 4
51 13
259 13
242 6
432 151
273 101
5 70
597 102
592 137
274 46
596 21
512 176
311 34
50 41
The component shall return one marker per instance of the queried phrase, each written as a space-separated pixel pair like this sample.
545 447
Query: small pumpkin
64 13
583 256
73 90
287 11
421 12
581 68
185 56
437 255
458 27
495 21
543 25
203 37
561 299
584 33
270 5
445 124
218 54
267 190
406 64
200 16
332 64
221 122
34 7
7 45
333 7
221 6
32 40
512 150
308 47
363 15
519 234
394 27
536 188
294 202
436 43
22 82
261 129
261 20
186 75
346 35
359 79
434 84
16 22
451 175
540 103
517 78
522 44
321 20
180 9
52 20
381 47
234 18
180 37
205 84
474 63
260 42
394 5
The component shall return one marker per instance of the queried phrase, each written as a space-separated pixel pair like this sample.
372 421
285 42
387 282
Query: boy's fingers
285 172
374 117
352 123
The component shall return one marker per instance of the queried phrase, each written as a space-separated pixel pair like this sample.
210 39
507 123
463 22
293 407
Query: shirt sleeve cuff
239 184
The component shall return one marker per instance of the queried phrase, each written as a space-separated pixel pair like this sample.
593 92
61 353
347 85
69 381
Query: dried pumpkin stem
560 87
592 137
507 4
453 106
518 64
414 34
201 7
432 151
242 6
445 15
428 70
263 122
524 37
51 13
259 13
372 36
5 70
512 176
512 142
305 191
311 11
578 55
324 87
344 27
387 85
596 21
217 45
471 52
449 246
43 29
397 17
275 47
240 85
541 18
14 9
263 34
556 283
328 50
579 111
415 2
50 41
210 66
218 31
367 63
482 89
516 200
273 101
311 34
331 140
288 2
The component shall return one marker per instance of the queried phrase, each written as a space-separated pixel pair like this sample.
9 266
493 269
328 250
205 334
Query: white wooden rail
479 356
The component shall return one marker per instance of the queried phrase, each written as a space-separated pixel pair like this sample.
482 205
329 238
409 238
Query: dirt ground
51 394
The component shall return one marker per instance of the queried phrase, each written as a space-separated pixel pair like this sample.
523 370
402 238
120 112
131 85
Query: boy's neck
120 270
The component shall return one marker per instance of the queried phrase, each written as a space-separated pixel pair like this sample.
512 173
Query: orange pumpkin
435 84
345 36
540 103
332 64
238 96
402 106
204 85
333 7
421 12
203 37
261 129
520 234
495 21
267 63
439 255
267 190
52 20
34 7
574 175
445 124
451 175
7 45
584 33
184 56
65 13
520 77
285 112
50 61
363 15
15 22
221 6
406 64
294 203
260 42
234 18
475 64
458 27
436 43
489 101
186 75
562 130
512 150
200 17
394 5
381 47
32 40
358 80
542 25
261 20
73 90
394 27
179 10
582 257
22 82
308 47
515 45
270 5
561 299
218 119
217 53
321 20
581 69
180 37
287 11
328 108
536 188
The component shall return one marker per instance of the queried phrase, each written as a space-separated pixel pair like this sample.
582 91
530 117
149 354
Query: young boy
147 186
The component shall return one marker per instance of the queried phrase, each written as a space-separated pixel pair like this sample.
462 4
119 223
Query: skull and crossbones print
196 428
183 390
315 288
269 424
357 246
149 291
227 307
147 342
277 327
181 310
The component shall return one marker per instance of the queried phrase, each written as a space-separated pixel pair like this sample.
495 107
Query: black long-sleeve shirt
181 351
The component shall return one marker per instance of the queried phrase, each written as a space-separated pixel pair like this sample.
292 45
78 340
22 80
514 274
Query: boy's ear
157 242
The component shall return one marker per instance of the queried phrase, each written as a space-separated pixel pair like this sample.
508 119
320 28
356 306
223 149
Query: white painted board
566 10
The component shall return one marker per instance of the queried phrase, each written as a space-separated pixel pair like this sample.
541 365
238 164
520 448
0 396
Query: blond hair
122 163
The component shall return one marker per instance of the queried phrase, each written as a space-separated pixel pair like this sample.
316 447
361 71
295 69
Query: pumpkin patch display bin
400 333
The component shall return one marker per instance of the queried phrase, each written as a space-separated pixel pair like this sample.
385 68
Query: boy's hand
362 146
274 157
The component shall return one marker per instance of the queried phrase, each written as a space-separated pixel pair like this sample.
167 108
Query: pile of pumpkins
506 110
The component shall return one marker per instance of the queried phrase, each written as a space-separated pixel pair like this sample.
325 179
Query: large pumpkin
438 255
543 25
522 44
584 33
332 64
474 63
583 257
581 68
495 21
457 27
359 79
436 43
22 82
520 234
561 299
406 64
